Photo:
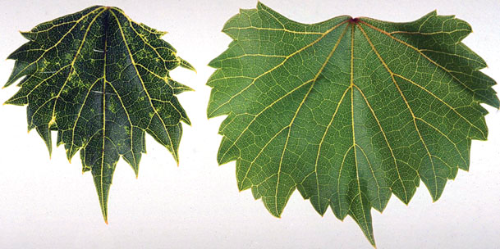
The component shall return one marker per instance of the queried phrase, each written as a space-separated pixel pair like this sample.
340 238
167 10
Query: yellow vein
141 35
426 20
421 53
373 173
429 33
60 40
149 45
72 64
353 131
445 136
79 114
174 153
228 78
338 180
407 105
386 140
253 55
284 147
156 75
129 121
279 65
274 17
327 128
104 82
273 29
67 78
263 110
323 139
50 28
300 106
364 223
455 55
44 80
288 93
283 25
442 101
258 155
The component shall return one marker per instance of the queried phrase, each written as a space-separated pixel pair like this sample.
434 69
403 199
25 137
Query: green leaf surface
101 81
347 111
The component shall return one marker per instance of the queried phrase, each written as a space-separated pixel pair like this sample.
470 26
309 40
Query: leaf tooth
361 213
28 35
185 64
85 167
133 161
179 87
44 133
17 100
102 188
319 204
20 69
103 198
71 150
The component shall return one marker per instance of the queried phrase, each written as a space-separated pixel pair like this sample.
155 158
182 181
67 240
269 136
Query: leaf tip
274 211
369 236
183 63
49 147
193 69
276 215
176 156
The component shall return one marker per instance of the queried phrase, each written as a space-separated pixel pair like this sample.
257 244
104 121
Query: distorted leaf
101 81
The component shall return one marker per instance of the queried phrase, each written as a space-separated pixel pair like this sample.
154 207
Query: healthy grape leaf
101 81
349 110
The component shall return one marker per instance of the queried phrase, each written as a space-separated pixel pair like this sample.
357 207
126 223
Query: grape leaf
101 81
348 111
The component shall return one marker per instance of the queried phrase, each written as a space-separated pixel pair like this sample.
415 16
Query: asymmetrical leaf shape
348 111
101 81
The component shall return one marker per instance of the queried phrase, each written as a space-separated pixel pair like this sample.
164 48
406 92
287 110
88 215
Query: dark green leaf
348 111
101 81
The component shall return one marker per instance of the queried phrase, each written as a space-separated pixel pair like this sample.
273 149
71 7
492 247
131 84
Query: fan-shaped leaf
101 81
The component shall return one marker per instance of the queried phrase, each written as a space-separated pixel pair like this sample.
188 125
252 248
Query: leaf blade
102 81
391 109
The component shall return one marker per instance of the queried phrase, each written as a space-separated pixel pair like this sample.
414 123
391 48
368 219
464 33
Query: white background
47 203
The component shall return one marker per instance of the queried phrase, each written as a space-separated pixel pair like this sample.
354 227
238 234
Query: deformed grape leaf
348 111
101 81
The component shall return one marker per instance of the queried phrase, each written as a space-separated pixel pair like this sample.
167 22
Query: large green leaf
348 111
101 81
